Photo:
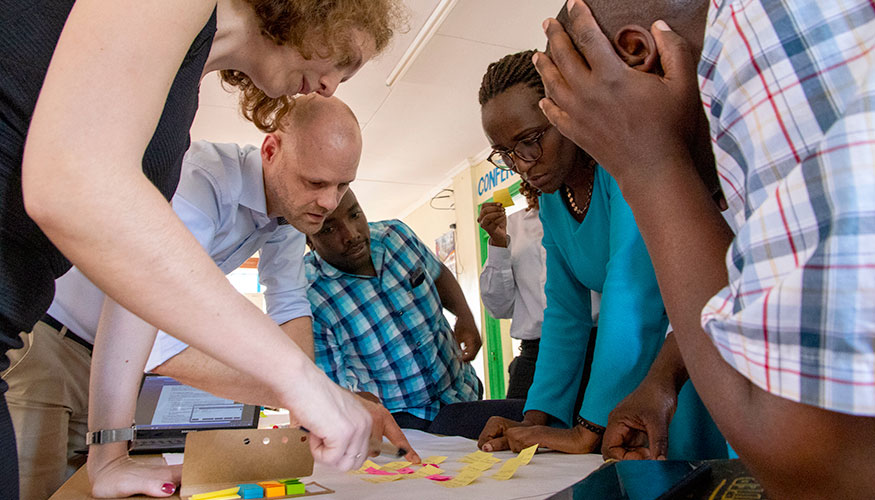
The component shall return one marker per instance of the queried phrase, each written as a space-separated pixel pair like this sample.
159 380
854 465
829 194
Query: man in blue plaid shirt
377 295
774 312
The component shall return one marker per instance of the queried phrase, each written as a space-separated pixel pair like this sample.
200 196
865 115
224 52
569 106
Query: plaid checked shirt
382 335
789 87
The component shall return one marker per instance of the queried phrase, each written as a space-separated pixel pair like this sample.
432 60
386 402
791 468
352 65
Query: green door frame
492 326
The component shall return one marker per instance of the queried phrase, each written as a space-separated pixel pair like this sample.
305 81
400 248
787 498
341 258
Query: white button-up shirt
512 280
221 200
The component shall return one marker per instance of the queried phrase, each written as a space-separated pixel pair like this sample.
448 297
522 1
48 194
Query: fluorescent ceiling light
431 26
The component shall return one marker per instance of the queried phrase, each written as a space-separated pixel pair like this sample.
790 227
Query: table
546 474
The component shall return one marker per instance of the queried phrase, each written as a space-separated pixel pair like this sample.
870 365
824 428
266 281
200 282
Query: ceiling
426 127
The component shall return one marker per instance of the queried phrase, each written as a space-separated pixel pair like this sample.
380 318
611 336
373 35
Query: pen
387 448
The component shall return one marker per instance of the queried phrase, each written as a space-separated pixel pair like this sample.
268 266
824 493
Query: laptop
167 410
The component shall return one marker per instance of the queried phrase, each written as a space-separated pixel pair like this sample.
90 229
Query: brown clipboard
219 459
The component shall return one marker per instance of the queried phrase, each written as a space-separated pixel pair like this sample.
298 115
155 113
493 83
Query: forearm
300 330
687 239
451 295
536 417
193 367
497 286
668 369
151 264
120 350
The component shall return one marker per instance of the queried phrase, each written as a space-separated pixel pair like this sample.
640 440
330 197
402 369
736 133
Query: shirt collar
252 194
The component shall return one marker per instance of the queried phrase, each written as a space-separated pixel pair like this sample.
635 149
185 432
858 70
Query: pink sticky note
405 470
438 477
378 472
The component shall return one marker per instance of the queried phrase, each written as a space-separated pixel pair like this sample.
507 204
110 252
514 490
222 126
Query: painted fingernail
487 447
569 5
168 488
661 25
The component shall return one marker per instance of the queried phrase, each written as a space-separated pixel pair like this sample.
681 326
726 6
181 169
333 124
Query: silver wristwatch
105 436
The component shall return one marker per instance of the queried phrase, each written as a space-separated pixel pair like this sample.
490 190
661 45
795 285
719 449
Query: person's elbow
41 191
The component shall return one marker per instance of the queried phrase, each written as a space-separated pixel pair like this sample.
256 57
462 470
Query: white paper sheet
546 474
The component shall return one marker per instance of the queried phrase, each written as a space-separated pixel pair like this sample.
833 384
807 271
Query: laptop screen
166 404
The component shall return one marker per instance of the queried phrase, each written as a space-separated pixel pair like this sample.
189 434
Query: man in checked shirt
377 295
775 315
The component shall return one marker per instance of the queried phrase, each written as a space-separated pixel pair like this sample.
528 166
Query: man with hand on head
773 322
377 295
236 201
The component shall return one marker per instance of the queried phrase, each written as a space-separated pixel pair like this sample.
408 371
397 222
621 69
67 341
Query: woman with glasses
592 243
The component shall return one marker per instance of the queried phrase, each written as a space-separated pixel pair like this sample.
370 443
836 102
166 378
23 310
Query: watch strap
105 436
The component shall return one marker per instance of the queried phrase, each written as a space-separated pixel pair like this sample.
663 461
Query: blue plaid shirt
789 87
381 335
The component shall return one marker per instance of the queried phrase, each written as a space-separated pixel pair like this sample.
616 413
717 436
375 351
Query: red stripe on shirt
792 372
786 227
784 89
765 85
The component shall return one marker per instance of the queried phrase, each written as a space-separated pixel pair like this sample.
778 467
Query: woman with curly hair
96 100
592 244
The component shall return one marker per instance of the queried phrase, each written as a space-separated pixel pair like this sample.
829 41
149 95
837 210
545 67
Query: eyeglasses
527 149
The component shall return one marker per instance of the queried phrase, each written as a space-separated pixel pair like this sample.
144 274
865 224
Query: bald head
310 160
313 114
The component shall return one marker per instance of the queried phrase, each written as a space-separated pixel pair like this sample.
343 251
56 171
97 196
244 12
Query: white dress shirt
220 199
512 280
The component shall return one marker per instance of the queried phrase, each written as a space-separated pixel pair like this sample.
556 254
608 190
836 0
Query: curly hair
531 193
508 71
322 28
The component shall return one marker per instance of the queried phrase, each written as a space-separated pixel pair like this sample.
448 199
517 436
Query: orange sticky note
273 489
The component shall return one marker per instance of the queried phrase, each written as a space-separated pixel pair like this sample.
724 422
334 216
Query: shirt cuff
499 257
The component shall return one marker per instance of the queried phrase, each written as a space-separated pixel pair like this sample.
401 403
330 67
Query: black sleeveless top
29 263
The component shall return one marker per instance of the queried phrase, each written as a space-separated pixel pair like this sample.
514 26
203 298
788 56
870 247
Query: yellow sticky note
508 469
436 459
364 468
428 470
526 455
212 495
502 196
393 466
479 456
480 466
383 479
463 478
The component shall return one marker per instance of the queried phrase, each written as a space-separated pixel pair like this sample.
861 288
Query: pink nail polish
168 488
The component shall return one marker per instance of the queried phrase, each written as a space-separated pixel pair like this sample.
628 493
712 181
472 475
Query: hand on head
640 116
